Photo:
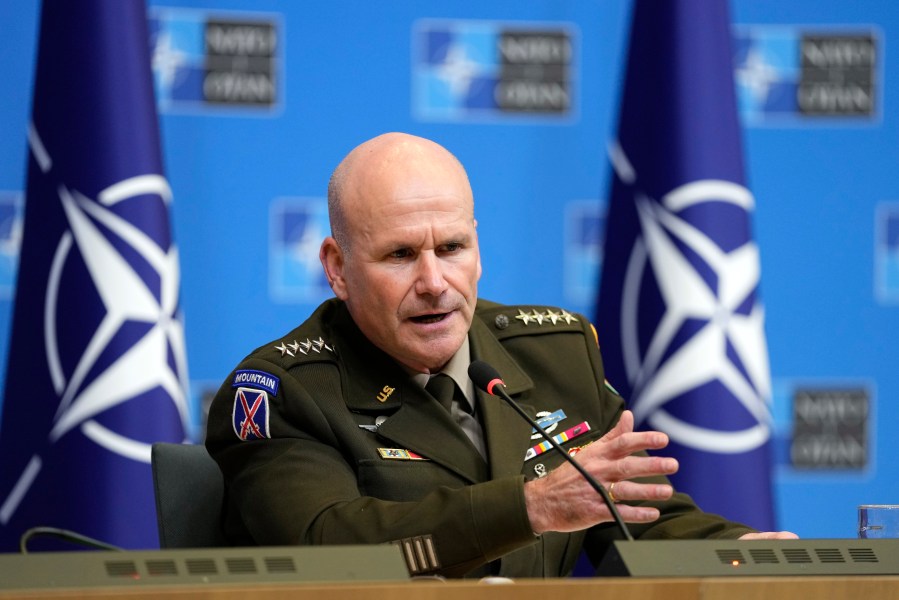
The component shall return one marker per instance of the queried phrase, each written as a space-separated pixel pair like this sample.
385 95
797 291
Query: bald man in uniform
333 434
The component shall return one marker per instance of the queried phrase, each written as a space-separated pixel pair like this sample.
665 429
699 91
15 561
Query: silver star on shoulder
552 316
568 317
294 346
524 317
537 316
284 350
305 346
320 344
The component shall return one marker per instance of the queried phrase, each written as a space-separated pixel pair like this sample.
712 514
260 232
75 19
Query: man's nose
430 279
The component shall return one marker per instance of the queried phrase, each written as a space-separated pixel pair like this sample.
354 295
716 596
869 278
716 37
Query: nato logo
585 225
693 291
799 75
487 69
887 253
10 240
130 272
202 61
298 226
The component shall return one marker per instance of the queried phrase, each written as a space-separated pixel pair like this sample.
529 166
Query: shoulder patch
259 379
250 414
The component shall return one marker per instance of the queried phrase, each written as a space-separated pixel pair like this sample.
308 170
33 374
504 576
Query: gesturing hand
564 501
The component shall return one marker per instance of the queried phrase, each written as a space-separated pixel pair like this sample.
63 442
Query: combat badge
250 414
548 422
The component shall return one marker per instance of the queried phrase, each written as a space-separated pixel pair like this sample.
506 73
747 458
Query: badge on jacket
250 414
257 379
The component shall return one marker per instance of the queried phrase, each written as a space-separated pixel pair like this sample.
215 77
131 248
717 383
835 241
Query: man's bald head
373 163
403 254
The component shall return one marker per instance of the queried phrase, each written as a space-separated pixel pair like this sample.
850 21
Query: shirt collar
457 369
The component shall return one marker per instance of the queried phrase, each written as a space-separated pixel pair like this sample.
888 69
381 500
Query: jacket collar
374 382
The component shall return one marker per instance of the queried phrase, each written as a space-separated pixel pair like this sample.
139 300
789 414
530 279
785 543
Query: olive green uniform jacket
318 470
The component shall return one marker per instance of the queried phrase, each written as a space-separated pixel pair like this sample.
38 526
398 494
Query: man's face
409 276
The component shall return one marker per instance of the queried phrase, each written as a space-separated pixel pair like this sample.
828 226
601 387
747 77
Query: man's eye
452 247
402 253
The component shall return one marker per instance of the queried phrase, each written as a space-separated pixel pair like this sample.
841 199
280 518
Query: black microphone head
484 376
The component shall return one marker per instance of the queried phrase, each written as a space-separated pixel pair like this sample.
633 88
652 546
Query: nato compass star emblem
710 330
106 244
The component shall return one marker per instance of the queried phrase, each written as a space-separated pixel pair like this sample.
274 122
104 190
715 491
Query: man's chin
433 355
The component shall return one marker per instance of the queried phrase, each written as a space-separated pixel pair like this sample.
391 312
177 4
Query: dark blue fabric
96 359
678 125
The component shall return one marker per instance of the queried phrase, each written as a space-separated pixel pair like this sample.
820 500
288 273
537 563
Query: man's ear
332 259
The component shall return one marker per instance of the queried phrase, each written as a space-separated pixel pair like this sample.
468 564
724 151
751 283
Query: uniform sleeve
680 517
301 486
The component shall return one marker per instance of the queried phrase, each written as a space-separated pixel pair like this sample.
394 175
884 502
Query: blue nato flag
97 369
679 319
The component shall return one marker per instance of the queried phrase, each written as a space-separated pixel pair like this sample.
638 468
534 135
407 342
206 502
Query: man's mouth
428 319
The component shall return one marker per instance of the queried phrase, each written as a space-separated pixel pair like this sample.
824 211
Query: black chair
189 493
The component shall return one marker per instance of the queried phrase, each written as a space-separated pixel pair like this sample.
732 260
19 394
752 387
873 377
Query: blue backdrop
260 99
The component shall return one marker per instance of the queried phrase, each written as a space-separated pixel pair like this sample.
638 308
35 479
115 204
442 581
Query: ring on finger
612 492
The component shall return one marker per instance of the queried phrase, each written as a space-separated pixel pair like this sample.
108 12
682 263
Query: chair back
189 493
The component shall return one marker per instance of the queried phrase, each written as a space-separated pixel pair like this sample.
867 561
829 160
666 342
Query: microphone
487 378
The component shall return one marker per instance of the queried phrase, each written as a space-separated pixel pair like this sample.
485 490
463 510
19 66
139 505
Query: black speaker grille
865 555
280 564
797 555
830 555
240 566
121 568
729 557
763 556
201 566
161 567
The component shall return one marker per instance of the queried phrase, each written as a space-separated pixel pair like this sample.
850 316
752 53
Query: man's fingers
639 466
624 425
770 535
625 445
623 491
638 514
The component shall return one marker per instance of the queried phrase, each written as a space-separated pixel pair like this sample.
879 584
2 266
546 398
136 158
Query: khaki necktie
443 388
445 391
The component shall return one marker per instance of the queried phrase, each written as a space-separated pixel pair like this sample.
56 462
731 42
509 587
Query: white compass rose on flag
158 358
726 342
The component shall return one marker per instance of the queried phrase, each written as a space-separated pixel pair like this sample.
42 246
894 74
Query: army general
361 425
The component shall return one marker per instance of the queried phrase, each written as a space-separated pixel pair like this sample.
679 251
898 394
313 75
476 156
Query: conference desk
727 588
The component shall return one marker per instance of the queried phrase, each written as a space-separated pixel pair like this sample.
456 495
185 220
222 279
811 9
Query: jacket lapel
507 434
375 383
425 427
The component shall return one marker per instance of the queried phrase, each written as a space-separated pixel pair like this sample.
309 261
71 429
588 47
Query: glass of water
878 521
